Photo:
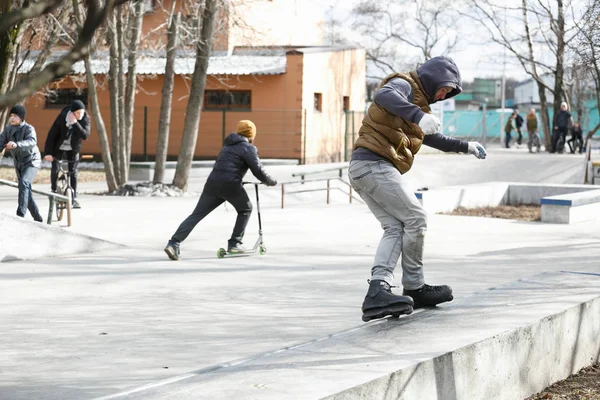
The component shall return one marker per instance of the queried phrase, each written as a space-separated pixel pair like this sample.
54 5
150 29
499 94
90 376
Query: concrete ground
100 324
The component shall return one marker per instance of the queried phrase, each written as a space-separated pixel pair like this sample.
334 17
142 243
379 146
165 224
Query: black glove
271 182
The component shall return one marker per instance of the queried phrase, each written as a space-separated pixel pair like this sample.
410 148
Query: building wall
276 111
526 93
335 75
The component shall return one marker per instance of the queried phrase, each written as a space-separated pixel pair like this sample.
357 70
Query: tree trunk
114 96
135 35
123 160
164 120
111 180
560 56
192 118
9 41
540 84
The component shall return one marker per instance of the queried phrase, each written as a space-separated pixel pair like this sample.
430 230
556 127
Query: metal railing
52 198
328 188
303 174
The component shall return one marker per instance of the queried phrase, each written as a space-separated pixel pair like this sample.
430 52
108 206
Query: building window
318 102
227 99
61 98
346 103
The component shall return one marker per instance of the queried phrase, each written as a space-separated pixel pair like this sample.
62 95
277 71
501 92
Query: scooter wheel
262 250
221 253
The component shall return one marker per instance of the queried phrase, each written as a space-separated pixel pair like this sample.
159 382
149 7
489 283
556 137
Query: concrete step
504 343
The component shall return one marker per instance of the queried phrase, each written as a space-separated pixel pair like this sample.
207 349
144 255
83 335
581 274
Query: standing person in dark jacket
562 119
518 125
66 136
225 184
397 123
20 139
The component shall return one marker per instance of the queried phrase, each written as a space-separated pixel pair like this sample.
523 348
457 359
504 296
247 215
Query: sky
476 55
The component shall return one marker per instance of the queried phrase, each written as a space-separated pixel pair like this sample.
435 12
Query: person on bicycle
65 138
20 139
225 184
562 121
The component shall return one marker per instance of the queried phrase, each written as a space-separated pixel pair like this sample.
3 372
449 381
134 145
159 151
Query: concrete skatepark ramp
24 239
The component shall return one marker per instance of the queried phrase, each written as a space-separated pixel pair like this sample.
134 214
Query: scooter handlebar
251 183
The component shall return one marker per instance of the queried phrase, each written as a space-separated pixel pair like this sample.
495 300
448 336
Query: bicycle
64 184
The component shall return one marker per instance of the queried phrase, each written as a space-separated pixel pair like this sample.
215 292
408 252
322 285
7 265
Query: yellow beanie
246 128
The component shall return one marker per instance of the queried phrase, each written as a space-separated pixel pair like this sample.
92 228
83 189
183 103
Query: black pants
213 195
73 159
25 177
560 133
520 137
577 140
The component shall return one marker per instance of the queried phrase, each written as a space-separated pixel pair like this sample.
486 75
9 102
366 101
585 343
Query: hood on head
234 138
438 72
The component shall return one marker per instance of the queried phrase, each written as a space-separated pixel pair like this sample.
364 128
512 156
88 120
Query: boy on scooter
225 184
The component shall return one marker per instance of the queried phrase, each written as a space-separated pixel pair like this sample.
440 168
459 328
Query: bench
571 208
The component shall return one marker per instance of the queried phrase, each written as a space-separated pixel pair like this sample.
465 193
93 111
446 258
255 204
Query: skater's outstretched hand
477 150
430 124
271 182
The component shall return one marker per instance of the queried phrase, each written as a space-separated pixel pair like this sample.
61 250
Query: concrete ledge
571 208
505 343
561 204
24 239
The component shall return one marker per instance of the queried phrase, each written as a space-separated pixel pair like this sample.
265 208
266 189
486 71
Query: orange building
296 95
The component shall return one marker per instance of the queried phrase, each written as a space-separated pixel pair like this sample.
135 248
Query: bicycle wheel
61 205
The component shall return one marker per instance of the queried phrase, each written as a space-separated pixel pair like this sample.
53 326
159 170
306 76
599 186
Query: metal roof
218 65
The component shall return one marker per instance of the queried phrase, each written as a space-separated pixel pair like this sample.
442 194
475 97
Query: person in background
66 136
533 136
20 139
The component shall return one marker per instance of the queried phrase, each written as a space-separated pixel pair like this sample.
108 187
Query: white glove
477 150
430 124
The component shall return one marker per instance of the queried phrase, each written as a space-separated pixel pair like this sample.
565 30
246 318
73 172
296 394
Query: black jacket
57 134
519 121
236 156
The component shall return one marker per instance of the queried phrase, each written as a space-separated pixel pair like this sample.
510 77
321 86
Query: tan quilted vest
390 136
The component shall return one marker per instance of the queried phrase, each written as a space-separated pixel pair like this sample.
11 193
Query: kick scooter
259 245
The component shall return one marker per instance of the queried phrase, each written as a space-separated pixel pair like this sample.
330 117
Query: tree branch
22 14
27 87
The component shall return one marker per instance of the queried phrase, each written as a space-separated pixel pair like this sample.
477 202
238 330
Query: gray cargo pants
402 217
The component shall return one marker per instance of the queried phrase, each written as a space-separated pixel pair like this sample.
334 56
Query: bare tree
124 33
206 21
549 32
164 120
111 180
387 33
587 49
95 16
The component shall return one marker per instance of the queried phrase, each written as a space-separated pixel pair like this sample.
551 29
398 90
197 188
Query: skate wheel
262 250
221 253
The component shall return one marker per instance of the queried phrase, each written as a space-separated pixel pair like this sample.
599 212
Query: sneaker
430 296
75 204
236 249
381 302
172 250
